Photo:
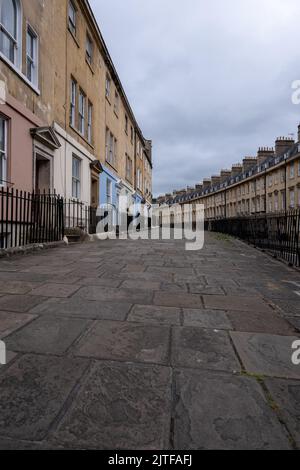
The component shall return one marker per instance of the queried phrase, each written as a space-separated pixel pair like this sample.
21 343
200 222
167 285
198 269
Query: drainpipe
285 185
66 106
266 200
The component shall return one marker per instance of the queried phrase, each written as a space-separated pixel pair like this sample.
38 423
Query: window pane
29 71
2 151
89 48
76 168
30 44
72 17
9 17
2 135
7 46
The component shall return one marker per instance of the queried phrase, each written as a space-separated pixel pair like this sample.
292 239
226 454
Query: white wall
63 166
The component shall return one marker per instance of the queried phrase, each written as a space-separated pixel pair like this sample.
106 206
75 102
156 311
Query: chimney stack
263 154
199 187
236 169
206 183
224 175
283 144
248 163
215 180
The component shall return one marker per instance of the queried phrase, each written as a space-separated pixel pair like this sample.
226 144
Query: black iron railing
79 215
35 218
278 233
29 218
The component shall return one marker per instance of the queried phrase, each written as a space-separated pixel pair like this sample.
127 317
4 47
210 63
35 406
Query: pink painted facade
20 174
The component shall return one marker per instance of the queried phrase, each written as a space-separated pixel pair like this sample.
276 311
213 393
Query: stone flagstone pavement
143 345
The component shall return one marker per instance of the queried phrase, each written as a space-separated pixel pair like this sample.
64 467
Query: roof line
111 64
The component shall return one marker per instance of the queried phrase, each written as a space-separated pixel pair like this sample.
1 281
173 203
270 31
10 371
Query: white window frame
292 170
107 86
17 40
72 22
283 200
89 48
292 199
138 177
111 144
90 122
131 135
108 191
276 202
81 112
33 61
129 168
270 204
115 152
76 179
3 153
73 98
117 103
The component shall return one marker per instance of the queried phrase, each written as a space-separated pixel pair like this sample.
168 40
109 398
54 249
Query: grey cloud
209 82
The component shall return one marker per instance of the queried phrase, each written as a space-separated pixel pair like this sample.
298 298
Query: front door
42 174
94 191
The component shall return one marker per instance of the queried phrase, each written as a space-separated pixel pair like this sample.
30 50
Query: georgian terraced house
65 121
267 183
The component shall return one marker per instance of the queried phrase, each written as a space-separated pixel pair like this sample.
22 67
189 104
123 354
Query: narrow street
143 345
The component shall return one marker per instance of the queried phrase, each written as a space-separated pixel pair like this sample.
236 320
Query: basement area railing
35 218
278 233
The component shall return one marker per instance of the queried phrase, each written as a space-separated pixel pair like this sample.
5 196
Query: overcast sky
209 80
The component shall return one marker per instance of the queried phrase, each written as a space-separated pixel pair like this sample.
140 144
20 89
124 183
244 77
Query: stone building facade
65 121
267 183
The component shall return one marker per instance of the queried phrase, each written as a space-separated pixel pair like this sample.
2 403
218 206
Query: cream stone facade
66 122
267 183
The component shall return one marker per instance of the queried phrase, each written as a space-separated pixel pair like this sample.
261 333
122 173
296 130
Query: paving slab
134 268
55 290
10 322
257 322
17 287
120 406
32 392
286 395
99 281
47 335
24 277
289 307
140 284
177 271
39 269
295 322
203 349
14 444
99 293
170 299
126 342
224 412
82 308
205 290
174 287
230 302
19 303
269 355
154 314
215 319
